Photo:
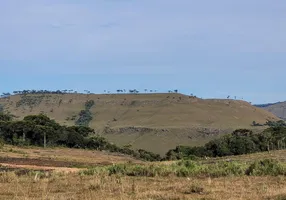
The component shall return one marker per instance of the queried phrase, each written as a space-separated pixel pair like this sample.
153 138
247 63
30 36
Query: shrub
89 104
85 115
266 167
5 117
225 169
117 169
84 118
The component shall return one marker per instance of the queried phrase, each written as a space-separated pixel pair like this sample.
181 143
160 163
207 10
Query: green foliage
146 155
84 118
89 104
241 141
266 167
40 119
275 124
85 115
187 168
30 100
225 169
117 169
34 128
5 117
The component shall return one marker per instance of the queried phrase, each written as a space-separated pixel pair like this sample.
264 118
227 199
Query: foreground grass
162 181
188 168
255 176
74 186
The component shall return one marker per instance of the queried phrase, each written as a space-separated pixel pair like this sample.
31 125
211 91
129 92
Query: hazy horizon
211 49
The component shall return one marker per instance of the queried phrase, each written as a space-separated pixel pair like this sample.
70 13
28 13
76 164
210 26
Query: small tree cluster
85 116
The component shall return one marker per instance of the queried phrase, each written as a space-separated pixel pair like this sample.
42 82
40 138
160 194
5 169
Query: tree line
66 91
241 141
40 130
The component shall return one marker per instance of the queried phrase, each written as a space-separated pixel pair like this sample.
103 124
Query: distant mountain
278 109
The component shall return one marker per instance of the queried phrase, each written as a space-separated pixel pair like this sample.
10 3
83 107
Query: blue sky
209 48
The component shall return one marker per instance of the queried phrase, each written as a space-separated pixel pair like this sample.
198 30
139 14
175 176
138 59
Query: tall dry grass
102 186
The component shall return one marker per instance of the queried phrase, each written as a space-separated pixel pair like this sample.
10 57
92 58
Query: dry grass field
22 180
155 122
59 157
72 186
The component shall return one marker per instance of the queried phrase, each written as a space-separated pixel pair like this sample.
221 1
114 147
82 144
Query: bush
89 104
266 167
85 115
5 117
117 169
225 169
84 118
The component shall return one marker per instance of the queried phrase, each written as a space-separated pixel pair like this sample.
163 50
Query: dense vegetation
188 168
85 116
270 123
240 142
40 130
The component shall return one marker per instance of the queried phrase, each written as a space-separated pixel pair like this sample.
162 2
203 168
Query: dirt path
42 168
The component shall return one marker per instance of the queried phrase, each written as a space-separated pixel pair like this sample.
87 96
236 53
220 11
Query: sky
208 48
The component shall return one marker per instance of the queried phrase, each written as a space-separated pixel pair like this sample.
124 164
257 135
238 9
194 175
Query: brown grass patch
73 186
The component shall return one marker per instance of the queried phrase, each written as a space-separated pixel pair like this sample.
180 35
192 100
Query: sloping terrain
59 159
155 122
56 176
278 109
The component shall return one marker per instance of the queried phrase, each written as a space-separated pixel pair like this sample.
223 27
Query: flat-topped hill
156 122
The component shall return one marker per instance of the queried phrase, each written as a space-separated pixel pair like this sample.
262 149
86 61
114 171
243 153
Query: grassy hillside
156 122
278 109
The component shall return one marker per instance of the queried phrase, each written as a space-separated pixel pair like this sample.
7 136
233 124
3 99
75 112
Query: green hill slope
155 122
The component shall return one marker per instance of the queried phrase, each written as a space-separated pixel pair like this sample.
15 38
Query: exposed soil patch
24 169
47 163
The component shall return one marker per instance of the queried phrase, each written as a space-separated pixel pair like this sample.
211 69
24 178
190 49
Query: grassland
155 122
72 186
59 157
278 109
98 175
